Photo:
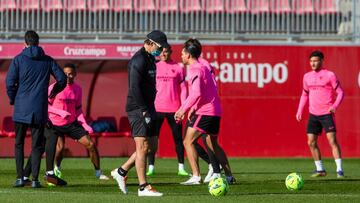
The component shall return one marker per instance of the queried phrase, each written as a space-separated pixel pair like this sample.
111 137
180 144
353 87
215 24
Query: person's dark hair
148 42
169 49
317 54
193 47
70 65
31 38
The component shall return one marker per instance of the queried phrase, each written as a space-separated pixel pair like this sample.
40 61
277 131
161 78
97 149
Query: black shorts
140 127
317 123
205 124
73 130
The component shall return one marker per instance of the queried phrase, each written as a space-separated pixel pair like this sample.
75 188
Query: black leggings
176 129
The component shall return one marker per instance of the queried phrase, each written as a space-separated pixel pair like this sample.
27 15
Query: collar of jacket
148 55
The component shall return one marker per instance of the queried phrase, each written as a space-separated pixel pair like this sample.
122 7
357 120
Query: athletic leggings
176 129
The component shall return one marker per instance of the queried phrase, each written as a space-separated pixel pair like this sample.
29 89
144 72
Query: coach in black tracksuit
27 84
141 110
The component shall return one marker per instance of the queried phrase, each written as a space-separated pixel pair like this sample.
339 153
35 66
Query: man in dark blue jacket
27 84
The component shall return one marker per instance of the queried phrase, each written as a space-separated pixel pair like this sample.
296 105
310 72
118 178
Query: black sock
122 172
142 186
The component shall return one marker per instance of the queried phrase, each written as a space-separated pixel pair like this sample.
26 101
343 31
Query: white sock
216 175
151 167
210 167
181 167
26 178
50 172
338 165
196 177
319 165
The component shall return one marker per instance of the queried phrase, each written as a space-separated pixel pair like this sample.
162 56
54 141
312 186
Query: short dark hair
148 41
31 38
70 65
193 47
169 48
317 53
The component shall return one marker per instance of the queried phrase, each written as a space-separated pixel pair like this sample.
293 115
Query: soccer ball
218 187
294 181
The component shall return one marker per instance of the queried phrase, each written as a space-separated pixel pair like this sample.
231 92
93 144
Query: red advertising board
259 86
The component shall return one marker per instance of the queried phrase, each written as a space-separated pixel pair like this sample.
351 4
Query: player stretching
66 115
318 87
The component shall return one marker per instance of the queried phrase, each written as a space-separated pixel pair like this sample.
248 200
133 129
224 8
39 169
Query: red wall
258 114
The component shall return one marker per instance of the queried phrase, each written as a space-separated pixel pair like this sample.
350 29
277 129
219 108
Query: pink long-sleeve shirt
170 86
203 96
319 88
66 106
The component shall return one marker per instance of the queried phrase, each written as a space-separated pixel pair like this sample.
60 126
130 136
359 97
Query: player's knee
312 143
185 142
333 143
60 147
90 145
143 148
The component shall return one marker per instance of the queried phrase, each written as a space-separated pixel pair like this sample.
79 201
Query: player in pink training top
65 113
204 116
319 86
66 118
171 93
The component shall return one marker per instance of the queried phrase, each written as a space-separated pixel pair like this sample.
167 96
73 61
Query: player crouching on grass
203 104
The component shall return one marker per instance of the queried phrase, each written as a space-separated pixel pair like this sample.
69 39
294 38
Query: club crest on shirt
152 73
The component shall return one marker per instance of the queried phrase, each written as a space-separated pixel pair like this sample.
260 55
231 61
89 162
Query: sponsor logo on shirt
152 73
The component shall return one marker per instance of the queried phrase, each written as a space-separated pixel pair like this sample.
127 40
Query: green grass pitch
259 180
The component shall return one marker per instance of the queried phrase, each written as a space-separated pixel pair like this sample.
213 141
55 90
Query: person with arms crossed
203 104
141 112
26 82
319 86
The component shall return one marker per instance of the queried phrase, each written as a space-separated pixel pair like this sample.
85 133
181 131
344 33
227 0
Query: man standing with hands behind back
27 84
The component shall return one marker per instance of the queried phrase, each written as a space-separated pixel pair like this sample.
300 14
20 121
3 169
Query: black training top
142 82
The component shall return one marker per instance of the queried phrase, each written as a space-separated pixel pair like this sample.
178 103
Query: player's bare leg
336 151
94 155
315 152
190 138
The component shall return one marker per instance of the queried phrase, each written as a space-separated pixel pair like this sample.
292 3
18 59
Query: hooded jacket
27 84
